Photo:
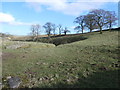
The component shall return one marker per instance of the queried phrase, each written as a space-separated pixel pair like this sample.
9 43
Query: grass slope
91 63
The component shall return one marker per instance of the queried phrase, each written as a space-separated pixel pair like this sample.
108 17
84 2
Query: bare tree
111 18
80 20
90 22
54 28
77 28
100 18
48 27
35 29
32 32
60 28
65 30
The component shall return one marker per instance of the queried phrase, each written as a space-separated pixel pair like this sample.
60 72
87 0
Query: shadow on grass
104 79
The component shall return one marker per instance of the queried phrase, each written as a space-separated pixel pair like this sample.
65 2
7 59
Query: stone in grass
14 82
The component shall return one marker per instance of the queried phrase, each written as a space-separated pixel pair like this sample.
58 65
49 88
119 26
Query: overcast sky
16 16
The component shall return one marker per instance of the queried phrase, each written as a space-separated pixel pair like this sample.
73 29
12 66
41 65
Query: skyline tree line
95 19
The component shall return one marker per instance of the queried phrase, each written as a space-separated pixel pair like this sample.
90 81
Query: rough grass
19 44
91 63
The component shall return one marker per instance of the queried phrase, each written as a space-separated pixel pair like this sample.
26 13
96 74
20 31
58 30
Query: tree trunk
90 30
110 27
82 31
33 39
48 38
37 37
100 30
65 33
59 32
54 33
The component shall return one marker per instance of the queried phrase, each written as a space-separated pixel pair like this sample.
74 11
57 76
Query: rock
56 75
8 77
60 62
52 79
16 45
39 79
0 85
14 82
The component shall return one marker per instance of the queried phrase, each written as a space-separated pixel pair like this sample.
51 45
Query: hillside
89 63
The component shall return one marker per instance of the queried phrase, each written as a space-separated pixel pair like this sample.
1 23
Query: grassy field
90 63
